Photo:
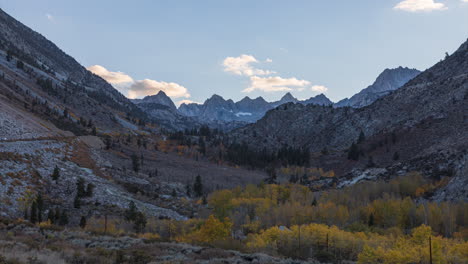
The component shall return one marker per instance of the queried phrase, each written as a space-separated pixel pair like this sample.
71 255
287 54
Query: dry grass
82 156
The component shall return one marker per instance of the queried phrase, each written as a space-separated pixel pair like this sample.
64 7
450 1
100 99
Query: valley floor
25 243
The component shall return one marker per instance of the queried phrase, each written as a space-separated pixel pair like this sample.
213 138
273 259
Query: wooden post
430 250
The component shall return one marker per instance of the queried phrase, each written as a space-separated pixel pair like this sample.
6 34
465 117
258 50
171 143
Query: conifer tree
33 214
361 137
83 222
198 186
40 207
353 152
56 174
51 216
135 163
131 212
139 223
63 218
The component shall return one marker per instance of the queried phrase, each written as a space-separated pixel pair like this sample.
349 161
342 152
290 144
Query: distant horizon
194 50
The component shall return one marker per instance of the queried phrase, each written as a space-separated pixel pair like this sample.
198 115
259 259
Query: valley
88 175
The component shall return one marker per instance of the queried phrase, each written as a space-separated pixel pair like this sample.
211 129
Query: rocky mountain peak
159 98
387 81
320 99
288 97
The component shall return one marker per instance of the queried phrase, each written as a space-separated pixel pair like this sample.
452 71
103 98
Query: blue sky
193 49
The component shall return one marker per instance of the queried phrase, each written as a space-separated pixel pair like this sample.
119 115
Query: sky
193 49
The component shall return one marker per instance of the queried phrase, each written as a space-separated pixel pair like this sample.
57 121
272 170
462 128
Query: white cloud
464 1
420 6
150 87
186 101
270 60
140 88
50 17
242 66
319 88
274 84
109 76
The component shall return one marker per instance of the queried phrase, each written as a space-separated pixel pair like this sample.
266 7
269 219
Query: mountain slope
427 117
44 61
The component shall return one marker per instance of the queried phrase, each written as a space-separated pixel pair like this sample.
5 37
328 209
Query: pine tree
51 216
131 212
57 216
33 214
20 65
361 137
80 188
40 207
139 223
9 55
83 222
201 146
396 155
77 202
371 220
198 186
63 218
135 162
314 202
353 152
370 162
89 190
56 174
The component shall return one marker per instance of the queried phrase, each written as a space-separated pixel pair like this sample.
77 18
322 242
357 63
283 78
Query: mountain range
218 110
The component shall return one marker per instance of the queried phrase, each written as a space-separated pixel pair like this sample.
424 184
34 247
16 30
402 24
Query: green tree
89 190
201 146
51 216
314 202
361 137
9 55
188 190
33 214
40 207
198 186
20 65
56 174
63 218
371 220
80 187
131 212
139 222
77 202
83 222
135 162
353 152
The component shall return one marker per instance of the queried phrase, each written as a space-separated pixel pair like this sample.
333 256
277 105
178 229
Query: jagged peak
288 96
